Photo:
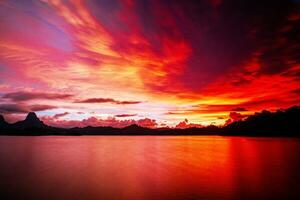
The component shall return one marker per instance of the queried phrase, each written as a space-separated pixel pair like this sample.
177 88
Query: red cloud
185 124
56 116
239 109
35 108
234 116
93 121
148 123
107 100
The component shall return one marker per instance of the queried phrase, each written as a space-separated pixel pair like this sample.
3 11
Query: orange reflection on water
149 167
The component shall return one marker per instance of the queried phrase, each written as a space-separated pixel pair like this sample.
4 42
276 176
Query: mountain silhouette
3 123
264 123
31 121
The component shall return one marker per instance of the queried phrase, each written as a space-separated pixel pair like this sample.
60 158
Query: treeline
266 123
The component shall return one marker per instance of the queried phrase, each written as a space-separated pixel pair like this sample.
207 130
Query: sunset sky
156 63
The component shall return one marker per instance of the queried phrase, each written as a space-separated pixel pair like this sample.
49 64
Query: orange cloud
185 124
234 116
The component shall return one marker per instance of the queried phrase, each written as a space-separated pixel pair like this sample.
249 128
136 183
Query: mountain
3 123
31 121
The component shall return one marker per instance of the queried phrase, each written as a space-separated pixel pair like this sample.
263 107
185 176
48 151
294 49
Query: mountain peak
31 120
2 120
32 117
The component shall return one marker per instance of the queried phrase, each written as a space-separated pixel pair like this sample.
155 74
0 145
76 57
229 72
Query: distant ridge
274 124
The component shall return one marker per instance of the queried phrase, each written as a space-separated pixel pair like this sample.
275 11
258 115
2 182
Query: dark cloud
13 108
23 108
273 29
296 91
56 116
26 96
128 102
41 107
239 109
106 100
125 115
226 34
96 100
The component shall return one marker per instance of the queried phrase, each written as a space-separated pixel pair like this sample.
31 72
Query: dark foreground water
149 167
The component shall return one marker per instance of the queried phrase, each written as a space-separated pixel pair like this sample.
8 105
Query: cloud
26 96
239 109
185 124
59 115
125 115
13 108
94 121
41 107
107 100
128 102
234 116
148 123
207 109
23 108
97 100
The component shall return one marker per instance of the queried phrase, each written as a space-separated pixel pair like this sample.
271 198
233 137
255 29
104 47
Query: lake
149 167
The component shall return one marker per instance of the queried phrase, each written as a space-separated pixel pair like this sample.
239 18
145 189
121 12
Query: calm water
149 167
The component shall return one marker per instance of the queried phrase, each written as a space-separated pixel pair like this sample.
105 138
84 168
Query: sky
155 63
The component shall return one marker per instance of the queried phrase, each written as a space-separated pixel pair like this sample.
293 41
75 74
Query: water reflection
149 167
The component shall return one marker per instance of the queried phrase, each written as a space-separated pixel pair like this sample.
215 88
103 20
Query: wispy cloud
26 96
125 115
23 108
59 115
107 100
